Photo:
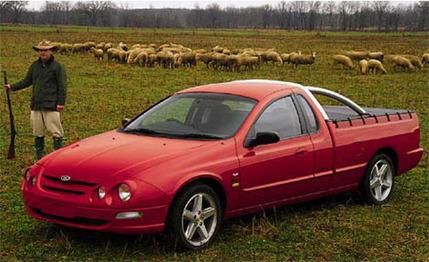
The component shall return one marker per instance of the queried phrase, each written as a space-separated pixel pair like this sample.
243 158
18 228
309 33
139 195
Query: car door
272 172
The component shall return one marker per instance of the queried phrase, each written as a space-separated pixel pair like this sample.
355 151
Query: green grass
101 94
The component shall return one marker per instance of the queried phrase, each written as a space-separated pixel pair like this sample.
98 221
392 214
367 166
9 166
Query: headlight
124 192
27 175
101 192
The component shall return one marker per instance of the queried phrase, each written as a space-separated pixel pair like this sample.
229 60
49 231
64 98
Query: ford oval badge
65 178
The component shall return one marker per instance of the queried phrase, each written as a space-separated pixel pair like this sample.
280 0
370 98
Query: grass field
101 94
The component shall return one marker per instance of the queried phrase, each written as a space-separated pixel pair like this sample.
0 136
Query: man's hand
60 107
6 86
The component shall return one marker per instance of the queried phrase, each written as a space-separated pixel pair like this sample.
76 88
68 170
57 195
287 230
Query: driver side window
281 118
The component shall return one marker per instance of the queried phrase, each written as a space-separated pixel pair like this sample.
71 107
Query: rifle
11 152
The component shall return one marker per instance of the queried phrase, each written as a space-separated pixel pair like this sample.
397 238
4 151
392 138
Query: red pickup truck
218 151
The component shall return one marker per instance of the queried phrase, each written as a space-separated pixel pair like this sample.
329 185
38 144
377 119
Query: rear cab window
280 117
312 123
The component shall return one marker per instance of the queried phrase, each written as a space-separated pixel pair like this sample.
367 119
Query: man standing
48 78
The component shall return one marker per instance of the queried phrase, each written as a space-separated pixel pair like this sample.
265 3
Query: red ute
222 150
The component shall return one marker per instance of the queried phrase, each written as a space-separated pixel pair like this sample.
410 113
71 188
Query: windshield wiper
186 135
142 131
198 135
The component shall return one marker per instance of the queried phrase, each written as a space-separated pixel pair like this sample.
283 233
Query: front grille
50 188
74 220
70 182
72 187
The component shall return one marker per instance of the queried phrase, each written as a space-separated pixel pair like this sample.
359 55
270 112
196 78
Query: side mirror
263 138
125 121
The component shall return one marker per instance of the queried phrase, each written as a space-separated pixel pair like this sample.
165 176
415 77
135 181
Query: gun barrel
11 151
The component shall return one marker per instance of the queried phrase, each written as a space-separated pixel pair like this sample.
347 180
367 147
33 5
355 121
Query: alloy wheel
199 219
381 180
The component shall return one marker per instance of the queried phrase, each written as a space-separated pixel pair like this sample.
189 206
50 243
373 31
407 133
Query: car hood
111 154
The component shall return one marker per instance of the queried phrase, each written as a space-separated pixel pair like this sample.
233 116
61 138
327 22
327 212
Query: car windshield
194 115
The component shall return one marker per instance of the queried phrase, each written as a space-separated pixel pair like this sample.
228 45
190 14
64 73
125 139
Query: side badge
235 180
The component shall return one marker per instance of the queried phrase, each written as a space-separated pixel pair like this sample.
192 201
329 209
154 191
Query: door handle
300 151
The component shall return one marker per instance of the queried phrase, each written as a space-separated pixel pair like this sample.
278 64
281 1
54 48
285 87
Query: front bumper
70 214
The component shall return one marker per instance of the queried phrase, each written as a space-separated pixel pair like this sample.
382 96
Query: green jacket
49 84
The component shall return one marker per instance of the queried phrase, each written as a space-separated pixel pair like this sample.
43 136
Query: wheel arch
363 185
390 152
210 180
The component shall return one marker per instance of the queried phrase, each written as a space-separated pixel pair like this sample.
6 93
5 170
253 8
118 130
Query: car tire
377 185
195 217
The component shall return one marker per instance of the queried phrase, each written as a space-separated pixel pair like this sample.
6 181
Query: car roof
254 88
258 89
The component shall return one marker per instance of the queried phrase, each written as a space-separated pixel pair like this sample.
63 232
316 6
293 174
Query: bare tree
343 10
66 7
283 14
95 10
4 11
423 20
51 12
17 8
266 16
299 9
124 14
347 10
380 8
213 12
329 9
313 14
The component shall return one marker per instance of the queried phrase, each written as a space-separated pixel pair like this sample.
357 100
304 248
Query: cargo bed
342 113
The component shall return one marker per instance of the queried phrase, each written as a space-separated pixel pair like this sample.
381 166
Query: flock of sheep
373 61
220 58
175 55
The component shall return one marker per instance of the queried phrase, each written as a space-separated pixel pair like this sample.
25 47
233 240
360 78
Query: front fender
194 177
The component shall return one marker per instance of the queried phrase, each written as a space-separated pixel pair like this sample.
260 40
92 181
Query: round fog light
101 192
124 192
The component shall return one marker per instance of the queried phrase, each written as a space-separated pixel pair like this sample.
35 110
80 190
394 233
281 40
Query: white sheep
415 61
133 54
113 54
356 55
343 60
363 66
425 59
98 53
376 66
300 59
402 62
272 56
140 59
376 55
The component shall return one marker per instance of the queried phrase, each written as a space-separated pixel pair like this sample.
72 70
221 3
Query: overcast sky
184 3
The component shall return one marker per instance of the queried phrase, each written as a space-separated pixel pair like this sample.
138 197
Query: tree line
290 15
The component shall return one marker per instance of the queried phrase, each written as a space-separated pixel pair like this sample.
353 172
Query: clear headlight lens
27 175
101 192
124 192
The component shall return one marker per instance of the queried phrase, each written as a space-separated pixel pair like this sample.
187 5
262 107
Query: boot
58 142
39 146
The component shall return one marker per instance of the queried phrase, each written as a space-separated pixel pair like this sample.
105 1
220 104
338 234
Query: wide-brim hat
43 45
